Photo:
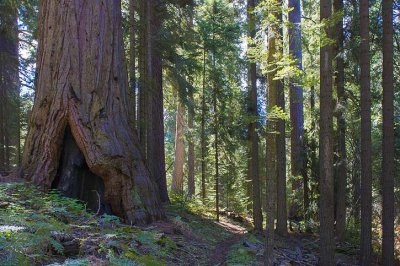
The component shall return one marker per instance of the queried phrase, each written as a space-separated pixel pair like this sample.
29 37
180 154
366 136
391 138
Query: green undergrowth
193 215
240 254
39 228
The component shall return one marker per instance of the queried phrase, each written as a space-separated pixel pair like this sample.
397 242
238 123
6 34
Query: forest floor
47 229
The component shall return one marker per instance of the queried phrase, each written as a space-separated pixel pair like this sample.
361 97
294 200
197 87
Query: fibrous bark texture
82 84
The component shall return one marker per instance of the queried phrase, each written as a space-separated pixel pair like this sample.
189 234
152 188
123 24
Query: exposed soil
221 250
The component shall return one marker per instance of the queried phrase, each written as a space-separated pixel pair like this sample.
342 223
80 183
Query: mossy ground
47 229
39 228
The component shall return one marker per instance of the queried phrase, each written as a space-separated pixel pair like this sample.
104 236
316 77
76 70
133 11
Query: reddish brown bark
82 83
177 177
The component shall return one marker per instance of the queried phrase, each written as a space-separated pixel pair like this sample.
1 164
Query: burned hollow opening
75 180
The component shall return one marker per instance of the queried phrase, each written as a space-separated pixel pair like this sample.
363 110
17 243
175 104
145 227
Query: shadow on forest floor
48 229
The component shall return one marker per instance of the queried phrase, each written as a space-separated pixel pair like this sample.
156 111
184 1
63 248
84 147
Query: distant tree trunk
216 134
314 167
97 112
132 56
191 113
144 36
281 201
281 226
191 181
366 145
253 170
341 180
2 126
203 130
326 182
296 108
388 137
177 177
271 153
9 88
356 183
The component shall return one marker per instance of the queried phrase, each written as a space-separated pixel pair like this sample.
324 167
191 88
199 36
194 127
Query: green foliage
240 255
32 219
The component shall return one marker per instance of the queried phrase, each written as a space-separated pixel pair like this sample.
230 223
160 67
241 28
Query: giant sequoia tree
83 101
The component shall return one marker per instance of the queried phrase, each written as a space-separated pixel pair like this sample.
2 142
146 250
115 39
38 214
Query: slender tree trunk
314 171
2 124
203 131
191 114
177 177
216 133
326 184
9 87
97 112
366 157
296 107
191 155
388 137
253 136
132 56
143 84
341 172
281 226
271 153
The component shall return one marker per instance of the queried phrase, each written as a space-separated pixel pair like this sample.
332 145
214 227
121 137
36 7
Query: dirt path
220 253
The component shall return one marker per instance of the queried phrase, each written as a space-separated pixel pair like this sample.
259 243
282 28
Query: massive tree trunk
177 177
366 145
326 181
253 170
341 173
9 88
388 137
82 87
296 108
